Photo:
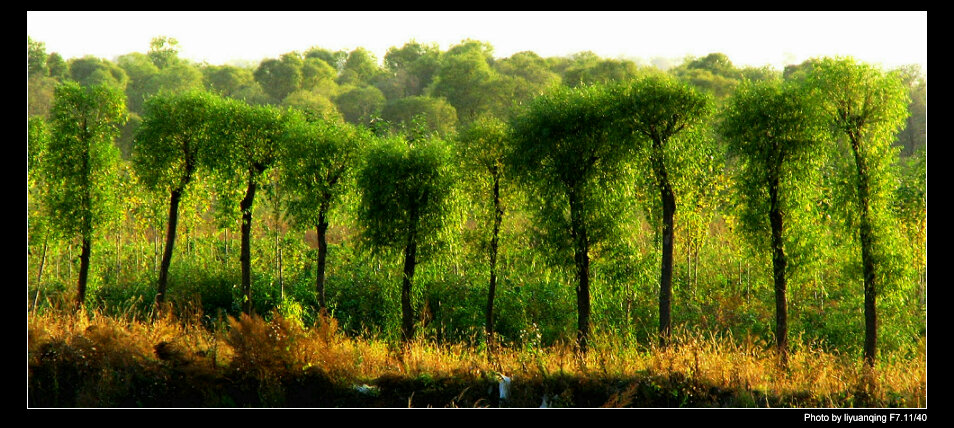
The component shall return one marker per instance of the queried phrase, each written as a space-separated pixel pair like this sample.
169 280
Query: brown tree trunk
246 255
174 199
581 259
779 262
668 210
39 274
498 216
84 271
867 258
407 311
322 230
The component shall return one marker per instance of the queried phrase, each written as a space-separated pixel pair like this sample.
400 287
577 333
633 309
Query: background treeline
497 217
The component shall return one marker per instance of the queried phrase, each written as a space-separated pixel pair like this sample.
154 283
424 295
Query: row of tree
577 151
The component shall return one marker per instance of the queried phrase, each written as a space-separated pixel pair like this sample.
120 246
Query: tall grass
89 359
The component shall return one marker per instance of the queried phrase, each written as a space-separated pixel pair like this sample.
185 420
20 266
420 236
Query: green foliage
777 132
358 105
565 149
279 77
318 164
313 104
463 78
174 138
38 136
662 122
81 160
865 108
92 71
359 68
440 117
164 51
36 58
405 188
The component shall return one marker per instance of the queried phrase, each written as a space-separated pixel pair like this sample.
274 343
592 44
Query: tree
245 146
319 160
713 73
462 79
914 134
91 71
38 137
313 105
80 162
412 67
164 51
280 77
360 67
440 116
865 108
170 145
776 130
359 105
40 91
140 68
316 73
404 189
226 80
56 65
518 78
565 148
36 58
657 109
482 149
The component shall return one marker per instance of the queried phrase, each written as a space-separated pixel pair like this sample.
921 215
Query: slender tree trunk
246 256
668 210
278 260
581 259
174 199
84 271
322 230
407 311
494 241
39 274
779 262
867 258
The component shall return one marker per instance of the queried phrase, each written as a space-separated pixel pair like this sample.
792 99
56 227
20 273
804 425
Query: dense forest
456 198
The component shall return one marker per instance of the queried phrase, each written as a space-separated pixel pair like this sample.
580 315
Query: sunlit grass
699 370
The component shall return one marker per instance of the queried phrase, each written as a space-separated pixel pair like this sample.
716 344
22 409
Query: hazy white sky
748 38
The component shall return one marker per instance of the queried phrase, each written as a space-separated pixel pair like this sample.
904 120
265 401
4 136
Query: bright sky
748 38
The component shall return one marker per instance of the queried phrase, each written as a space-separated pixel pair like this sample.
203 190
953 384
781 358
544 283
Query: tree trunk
494 241
39 275
867 258
322 230
246 255
668 210
779 263
84 271
407 311
581 259
174 199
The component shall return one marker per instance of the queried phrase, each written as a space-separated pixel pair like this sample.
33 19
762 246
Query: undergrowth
91 359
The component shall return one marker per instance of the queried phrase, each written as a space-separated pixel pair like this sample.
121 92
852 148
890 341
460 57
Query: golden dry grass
706 371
